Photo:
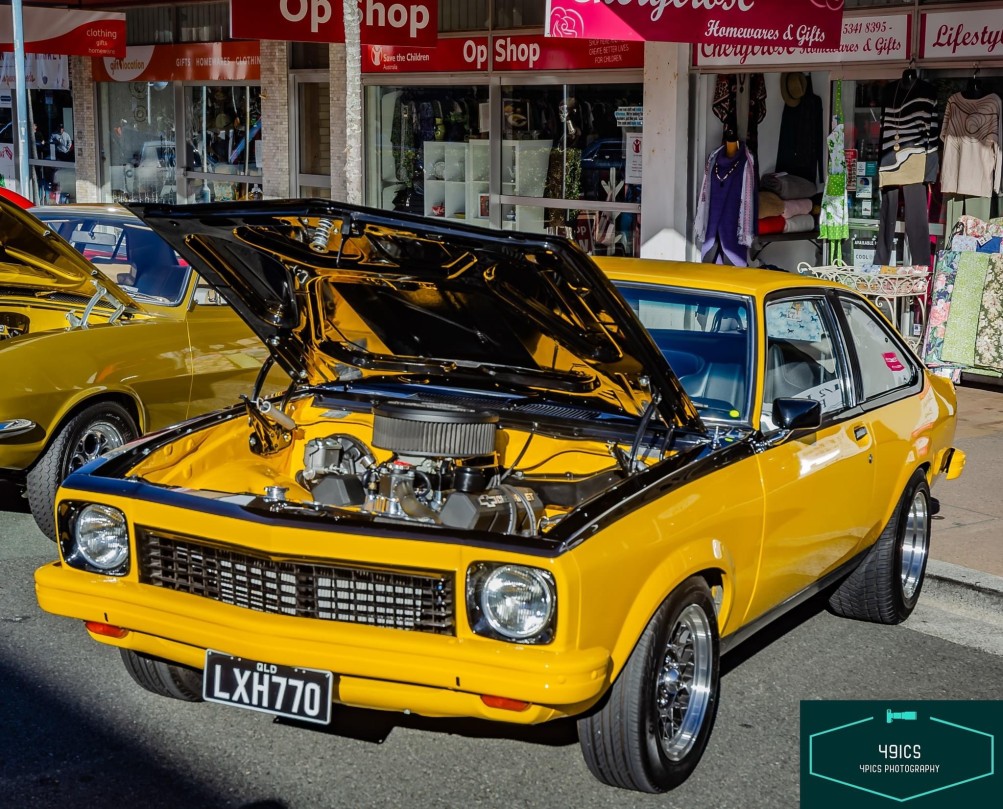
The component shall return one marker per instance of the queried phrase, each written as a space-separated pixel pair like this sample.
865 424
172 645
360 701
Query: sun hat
793 87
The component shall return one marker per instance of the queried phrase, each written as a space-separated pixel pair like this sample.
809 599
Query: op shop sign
383 22
801 24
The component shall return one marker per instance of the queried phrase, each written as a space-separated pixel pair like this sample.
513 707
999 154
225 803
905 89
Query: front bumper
380 668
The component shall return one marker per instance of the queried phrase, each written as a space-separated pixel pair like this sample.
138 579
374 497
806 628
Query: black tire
885 587
94 430
162 678
642 736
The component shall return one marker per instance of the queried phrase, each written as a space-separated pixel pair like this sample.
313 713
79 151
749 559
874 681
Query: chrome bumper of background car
12 427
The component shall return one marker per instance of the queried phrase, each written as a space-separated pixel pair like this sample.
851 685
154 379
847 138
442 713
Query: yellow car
103 336
508 483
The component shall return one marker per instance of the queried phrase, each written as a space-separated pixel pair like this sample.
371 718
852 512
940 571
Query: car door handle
859 433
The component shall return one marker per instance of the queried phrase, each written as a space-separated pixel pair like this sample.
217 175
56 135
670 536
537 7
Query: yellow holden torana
509 482
104 334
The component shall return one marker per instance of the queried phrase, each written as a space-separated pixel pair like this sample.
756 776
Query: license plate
303 694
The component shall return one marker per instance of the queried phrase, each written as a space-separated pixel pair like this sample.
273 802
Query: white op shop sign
968 35
874 38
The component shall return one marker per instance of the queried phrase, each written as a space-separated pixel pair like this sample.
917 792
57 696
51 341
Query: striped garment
973 163
909 134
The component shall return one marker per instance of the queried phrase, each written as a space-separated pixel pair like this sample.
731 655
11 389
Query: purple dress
724 183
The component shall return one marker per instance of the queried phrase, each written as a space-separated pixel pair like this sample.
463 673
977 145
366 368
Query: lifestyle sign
962 34
779 23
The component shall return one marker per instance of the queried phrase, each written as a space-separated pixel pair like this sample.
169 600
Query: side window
801 358
884 367
205 295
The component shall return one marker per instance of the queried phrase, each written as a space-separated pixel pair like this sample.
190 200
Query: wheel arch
664 579
129 401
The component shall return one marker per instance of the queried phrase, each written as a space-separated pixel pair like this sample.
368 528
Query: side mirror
797 414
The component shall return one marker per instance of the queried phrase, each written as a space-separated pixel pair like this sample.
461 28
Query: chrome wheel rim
915 542
97 439
683 684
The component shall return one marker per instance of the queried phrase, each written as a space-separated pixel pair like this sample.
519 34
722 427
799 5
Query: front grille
416 600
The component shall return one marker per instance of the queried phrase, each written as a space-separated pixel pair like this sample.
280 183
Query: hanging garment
799 146
834 220
972 161
725 106
917 226
725 221
940 306
909 134
989 335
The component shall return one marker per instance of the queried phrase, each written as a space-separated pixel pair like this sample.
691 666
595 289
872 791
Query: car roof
87 209
710 277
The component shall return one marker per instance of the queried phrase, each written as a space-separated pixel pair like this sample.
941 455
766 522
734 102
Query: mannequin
726 215
909 143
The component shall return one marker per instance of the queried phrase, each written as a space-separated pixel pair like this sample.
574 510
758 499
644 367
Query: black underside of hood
338 291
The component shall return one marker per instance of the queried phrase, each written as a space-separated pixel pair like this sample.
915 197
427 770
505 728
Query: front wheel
86 436
656 720
885 587
163 678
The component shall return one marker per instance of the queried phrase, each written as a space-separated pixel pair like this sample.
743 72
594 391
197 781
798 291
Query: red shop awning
66 32
779 23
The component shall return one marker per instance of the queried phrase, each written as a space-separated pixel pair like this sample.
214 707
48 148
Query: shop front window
52 152
224 138
138 160
573 143
428 150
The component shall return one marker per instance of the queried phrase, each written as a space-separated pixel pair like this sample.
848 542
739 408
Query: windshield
706 339
126 252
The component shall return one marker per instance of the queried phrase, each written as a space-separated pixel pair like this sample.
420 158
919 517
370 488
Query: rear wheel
89 434
654 725
885 587
163 678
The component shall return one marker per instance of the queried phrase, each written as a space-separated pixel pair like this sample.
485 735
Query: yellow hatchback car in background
507 483
103 336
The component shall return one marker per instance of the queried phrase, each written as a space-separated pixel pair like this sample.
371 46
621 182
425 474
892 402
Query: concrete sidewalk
962 599
969 529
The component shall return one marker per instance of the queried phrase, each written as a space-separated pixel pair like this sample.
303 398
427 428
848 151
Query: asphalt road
76 732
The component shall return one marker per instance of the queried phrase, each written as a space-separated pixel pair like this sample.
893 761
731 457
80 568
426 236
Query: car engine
442 471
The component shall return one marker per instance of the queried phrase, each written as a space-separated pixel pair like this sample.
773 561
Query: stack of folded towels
786 204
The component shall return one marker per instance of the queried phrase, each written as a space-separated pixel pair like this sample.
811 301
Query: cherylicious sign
781 23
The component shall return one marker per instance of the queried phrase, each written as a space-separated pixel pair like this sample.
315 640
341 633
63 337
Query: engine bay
399 462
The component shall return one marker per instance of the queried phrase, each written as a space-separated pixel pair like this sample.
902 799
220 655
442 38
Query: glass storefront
52 154
427 150
223 142
218 155
561 146
138 141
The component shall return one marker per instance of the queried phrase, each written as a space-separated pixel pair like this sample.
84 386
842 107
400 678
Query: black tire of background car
162 678
620 737
52 465
873 592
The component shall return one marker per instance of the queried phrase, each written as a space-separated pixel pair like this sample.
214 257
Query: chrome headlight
512 602
99 540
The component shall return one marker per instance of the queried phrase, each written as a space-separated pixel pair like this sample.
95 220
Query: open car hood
341 292
33 256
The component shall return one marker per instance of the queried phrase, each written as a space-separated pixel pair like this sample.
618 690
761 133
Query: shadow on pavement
52 756
375 727
12 497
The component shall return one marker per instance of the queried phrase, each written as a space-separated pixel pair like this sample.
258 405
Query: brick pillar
276 170
85 125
